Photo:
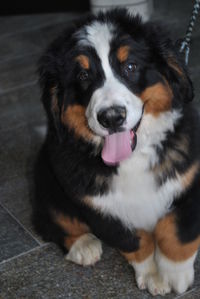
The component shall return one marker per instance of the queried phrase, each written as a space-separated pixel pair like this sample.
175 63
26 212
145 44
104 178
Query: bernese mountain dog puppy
121 159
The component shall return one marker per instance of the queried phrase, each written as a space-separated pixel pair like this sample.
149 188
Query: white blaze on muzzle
113 93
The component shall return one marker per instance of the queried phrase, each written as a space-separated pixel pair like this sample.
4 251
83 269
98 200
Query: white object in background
143 7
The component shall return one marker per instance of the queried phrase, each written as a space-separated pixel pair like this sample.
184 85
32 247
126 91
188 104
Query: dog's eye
129 68
83 75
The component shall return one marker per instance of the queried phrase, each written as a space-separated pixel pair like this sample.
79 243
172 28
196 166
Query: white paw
85 251
141 281
156 285
179 275
181 281
142 270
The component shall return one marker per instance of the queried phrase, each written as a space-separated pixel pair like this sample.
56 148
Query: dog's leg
175 259
142 259
82 246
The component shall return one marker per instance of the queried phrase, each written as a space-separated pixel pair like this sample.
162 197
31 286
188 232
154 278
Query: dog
121 159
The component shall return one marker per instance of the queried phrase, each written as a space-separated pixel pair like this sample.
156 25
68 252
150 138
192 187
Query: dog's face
107 74
113 103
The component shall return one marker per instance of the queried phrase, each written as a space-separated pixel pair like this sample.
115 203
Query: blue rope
185 46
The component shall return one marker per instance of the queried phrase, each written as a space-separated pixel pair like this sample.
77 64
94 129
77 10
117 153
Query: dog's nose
112 118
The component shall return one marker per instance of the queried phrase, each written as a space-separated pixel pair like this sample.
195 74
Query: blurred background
143 6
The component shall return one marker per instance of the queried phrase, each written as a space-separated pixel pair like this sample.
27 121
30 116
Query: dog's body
107 75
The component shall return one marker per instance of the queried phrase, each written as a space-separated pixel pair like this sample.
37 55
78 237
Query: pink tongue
117 147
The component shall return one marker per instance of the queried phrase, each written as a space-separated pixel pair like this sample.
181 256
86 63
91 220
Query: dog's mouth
120 145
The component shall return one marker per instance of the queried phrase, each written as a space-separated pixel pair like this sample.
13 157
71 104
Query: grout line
23 253
185 293
17 87
11 214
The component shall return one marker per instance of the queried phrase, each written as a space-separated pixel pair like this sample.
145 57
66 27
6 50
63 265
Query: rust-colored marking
174 65
182 143
188 177
122 53
157 98
69 241
72 226
168 242
173 156
146 248
84 61
74 117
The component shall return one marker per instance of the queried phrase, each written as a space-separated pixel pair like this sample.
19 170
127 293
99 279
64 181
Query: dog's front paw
86 251
178 275
156 285
163 284
147 277
182 280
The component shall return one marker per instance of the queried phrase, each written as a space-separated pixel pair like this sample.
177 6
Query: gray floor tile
16 197
21 107
14 239
18 73
45 274
193 294
18 150
21 116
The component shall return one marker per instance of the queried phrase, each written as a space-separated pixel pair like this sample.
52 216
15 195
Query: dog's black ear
49 83
51 76
170 62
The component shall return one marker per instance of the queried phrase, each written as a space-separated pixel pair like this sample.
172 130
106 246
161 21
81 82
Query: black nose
112 118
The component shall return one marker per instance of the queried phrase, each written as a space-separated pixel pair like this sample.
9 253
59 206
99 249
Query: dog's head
108 73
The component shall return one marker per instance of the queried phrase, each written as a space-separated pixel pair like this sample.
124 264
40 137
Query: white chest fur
134 198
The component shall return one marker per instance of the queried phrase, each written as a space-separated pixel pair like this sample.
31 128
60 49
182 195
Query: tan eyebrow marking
84 61
122 53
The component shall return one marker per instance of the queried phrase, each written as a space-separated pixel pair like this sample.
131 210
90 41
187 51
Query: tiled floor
30 268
